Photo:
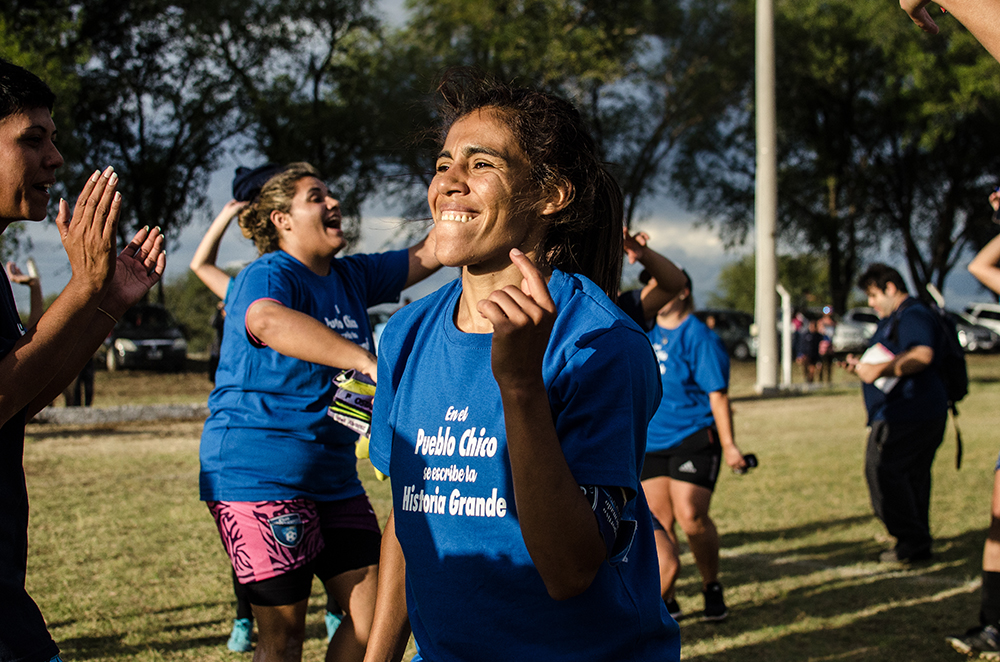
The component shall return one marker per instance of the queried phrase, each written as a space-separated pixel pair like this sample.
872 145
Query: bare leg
280 632
690 503
658 496
354 591
991 550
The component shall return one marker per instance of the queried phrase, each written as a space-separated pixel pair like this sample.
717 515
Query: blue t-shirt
693 363
268 436
918 397
438 429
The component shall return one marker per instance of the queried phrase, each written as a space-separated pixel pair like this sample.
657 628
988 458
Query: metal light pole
766 202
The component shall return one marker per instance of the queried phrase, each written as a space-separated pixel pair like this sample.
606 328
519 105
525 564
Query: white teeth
458 217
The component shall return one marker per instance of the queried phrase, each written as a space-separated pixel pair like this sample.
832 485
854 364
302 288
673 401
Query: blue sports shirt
268 436
693 363
438 429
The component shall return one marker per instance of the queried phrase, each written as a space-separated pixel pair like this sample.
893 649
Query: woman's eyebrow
472 150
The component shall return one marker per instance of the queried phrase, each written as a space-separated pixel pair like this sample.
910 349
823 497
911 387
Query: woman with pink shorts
277 473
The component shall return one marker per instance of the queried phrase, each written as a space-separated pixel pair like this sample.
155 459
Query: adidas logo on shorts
688 468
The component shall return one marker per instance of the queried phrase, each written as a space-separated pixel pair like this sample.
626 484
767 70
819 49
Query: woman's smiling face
312 223
28 161
480 196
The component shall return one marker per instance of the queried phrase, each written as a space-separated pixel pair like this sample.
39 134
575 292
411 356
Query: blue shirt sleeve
379 276
606 394
710 360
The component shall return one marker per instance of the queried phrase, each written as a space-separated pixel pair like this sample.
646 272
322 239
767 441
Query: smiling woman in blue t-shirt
512 408
278 474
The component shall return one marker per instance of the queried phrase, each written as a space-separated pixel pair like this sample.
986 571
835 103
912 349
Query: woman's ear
280 219
558 197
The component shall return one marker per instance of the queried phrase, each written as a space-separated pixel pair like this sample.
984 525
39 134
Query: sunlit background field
126 564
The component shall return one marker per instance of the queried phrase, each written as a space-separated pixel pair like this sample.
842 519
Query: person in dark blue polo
907 409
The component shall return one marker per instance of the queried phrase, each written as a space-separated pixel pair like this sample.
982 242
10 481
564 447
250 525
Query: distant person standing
808 350
985 638
907 409
826 327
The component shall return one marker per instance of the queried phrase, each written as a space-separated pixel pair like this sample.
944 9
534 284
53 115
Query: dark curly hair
585 237
276 194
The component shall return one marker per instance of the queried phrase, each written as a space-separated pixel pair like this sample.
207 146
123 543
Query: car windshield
148 319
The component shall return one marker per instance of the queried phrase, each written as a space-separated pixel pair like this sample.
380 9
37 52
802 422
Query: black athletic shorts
695 460
346 549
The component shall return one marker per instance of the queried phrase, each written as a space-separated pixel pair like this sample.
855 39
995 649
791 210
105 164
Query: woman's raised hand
90 235
139 267
522 321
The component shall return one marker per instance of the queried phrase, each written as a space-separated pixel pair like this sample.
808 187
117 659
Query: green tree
193 305
642 72
804 276
883 143
31 36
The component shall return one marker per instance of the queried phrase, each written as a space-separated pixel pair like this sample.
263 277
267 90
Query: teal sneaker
332 623
239 639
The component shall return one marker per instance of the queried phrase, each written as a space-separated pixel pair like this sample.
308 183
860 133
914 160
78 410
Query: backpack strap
958 436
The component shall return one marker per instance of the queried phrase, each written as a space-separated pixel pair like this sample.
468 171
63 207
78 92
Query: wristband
112 317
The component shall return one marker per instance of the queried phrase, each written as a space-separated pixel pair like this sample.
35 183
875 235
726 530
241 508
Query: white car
985 314
854 330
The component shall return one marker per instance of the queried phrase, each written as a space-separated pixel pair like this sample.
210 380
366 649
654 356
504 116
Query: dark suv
733 327
147 336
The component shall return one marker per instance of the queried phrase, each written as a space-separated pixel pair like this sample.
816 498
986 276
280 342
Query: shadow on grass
89 648
842 604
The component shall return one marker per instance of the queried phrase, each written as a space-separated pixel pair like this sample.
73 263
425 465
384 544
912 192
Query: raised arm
298 335
980 17
423 262
986 265
557 523
34 284
35 363
668 279
203 262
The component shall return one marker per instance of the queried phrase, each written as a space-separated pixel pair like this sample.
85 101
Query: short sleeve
602 401
380 276
380 443
917 328
710 362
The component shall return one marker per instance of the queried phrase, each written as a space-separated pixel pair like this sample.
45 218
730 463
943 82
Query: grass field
126 564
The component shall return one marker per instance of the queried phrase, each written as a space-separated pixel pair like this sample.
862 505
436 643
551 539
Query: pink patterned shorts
266 539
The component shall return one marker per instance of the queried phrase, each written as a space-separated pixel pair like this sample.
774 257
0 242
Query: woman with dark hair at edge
512 408
37 363
984 639
277 473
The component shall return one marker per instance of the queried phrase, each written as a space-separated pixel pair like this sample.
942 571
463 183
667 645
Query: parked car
986 314
854 330
733 327
973 336
147 336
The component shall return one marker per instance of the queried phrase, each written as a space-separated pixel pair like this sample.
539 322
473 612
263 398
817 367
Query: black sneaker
673 609
715 606
893 556
983 641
